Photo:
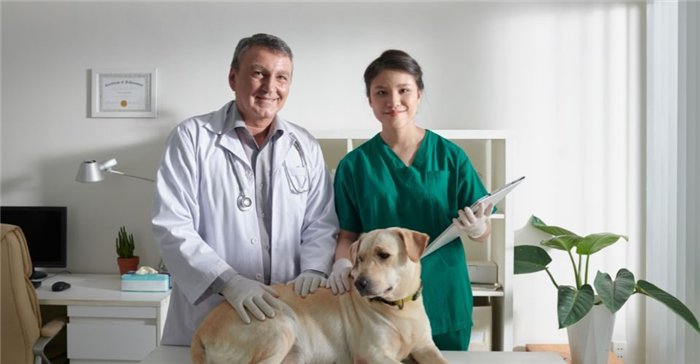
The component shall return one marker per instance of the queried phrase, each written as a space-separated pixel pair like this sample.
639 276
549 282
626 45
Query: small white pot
589 339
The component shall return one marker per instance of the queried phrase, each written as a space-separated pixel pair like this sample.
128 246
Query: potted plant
125 249
587 311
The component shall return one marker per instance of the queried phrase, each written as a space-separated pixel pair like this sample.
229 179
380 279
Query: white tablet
452 232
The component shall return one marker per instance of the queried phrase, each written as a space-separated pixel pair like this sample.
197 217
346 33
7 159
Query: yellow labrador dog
381 321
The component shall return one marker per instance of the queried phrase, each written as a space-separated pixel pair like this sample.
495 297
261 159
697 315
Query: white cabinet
105 324
104 333
489 152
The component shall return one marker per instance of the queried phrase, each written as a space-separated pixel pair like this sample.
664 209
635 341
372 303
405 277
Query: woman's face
394 98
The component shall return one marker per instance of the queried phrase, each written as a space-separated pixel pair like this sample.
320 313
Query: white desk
181 355
104 323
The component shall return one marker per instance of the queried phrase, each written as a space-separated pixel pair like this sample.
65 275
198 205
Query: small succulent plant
125 244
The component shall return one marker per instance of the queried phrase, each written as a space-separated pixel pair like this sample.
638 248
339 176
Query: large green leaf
670 301
530 259
574 304
563 242
595 242
614 294
552 230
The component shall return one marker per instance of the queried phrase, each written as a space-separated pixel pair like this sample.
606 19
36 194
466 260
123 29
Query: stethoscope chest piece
244 202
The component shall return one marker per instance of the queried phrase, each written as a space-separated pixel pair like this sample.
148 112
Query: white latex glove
338 282
307 282
243 293
474 224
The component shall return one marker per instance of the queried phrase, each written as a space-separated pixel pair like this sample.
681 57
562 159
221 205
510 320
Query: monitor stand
37 277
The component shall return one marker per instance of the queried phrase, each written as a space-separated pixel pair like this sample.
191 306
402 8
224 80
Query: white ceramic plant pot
589 339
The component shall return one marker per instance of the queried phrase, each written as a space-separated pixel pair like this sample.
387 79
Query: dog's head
386 262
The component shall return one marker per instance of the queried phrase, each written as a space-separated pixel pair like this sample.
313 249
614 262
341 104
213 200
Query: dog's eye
383 255
360 259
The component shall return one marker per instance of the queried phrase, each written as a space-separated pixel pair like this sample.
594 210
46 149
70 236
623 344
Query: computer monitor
45 230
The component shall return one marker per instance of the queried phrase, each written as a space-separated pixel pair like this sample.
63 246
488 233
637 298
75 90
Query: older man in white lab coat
243 199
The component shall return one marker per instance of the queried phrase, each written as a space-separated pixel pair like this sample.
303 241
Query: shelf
487 293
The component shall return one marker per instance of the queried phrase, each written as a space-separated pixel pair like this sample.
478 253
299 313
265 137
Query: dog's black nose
361 283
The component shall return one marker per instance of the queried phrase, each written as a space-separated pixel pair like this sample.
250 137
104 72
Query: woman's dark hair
395 60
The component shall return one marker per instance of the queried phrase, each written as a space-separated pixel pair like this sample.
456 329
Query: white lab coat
201 232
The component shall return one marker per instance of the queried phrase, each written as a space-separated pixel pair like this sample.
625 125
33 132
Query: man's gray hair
268 41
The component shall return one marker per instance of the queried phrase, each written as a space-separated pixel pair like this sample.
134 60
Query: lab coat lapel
282 146
221 124
231 143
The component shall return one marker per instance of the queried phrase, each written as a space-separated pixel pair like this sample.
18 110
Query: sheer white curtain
577 103
673 176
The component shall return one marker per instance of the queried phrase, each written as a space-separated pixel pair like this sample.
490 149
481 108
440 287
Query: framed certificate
124 93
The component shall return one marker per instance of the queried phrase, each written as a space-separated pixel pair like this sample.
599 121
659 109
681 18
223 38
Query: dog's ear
354 248
415 243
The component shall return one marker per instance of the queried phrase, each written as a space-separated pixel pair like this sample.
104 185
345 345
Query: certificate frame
124 93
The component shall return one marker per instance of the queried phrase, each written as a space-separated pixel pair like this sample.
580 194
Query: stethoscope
244 202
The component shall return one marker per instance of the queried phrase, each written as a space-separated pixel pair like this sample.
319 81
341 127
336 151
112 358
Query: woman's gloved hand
308 282
474 224
338 282
243 293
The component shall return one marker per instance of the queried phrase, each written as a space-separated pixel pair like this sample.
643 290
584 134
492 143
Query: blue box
145 282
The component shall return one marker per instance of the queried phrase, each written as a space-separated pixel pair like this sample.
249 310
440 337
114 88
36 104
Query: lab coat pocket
293 184
297 179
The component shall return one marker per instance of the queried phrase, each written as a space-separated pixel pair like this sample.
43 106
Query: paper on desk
452 232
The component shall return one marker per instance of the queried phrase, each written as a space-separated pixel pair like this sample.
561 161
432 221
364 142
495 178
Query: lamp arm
128 175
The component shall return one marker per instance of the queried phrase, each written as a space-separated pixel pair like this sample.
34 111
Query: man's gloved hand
338 282
474 224
308 282
243 293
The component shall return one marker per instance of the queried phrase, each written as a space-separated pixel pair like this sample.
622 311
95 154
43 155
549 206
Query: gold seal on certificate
126 93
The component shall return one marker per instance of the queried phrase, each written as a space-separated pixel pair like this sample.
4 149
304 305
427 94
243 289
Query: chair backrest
20 317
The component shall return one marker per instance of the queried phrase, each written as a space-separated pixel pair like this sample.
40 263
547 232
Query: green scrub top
374 189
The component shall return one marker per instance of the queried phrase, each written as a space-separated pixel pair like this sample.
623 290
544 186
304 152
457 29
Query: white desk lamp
91 171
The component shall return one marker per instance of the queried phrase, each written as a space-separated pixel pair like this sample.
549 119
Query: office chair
24 339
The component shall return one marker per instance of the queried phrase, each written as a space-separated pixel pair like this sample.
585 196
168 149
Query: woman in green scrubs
410 177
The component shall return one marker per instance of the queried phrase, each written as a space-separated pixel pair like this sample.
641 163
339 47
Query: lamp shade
91 171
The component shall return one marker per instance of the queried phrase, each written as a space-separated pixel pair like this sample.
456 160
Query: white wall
567 79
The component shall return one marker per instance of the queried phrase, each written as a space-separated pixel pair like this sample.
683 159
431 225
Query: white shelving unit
489 152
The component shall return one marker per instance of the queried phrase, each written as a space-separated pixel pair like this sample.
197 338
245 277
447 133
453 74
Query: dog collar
400 302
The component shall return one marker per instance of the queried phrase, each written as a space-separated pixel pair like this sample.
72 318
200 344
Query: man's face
261 84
